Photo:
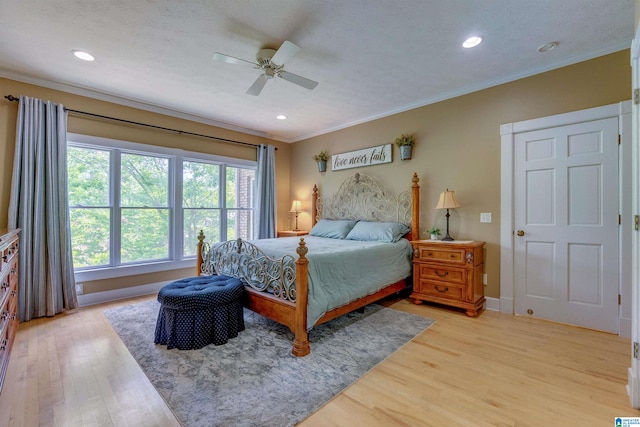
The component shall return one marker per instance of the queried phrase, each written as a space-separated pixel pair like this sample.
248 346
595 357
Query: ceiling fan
271 63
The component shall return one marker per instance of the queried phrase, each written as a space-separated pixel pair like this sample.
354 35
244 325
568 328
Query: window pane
200 185
145 235
144 181
239 224
90 237
88 177
240 185
207 220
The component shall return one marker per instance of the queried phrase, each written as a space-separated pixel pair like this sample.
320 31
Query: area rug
253 380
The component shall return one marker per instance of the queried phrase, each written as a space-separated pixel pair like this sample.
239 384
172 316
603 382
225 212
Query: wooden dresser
8 296
449 273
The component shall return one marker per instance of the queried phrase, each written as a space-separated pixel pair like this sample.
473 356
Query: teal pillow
378 231
332 228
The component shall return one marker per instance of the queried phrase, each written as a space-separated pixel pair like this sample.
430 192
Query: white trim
118 294
492 304
131 270
467 90
508 131
76 138
129 102
92 93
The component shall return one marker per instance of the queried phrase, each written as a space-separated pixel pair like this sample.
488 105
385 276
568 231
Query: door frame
622 111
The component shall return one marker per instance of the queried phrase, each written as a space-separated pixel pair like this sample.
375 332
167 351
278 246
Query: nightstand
449 273
291 233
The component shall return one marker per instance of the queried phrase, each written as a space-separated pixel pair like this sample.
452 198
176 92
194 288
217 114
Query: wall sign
365 157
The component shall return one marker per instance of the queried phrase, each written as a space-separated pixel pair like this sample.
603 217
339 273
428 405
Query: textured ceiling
371 58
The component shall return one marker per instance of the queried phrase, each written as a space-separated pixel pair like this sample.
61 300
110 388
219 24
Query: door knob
520 233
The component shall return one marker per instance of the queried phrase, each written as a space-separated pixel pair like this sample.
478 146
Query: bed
303 282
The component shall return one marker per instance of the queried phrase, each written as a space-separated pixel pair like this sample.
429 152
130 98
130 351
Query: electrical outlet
484 279
485 217
79 288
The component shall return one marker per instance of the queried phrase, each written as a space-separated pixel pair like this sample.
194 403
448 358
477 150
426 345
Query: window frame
176 258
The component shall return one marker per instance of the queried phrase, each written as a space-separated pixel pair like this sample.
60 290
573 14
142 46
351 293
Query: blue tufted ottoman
198 311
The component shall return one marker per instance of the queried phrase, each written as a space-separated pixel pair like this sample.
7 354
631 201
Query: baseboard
625 327
117 294
632 388
492 304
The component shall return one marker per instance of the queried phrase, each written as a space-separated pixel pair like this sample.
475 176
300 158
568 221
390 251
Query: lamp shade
296 206
447 200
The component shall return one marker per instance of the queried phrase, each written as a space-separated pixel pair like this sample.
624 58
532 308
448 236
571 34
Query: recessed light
281 117
81 54
547 47
472 42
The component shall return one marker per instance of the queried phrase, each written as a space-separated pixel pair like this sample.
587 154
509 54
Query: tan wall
114 130
458 146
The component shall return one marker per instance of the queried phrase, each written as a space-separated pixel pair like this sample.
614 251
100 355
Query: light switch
485 217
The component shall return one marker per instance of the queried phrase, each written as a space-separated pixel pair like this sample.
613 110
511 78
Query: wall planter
405 152
405 143
321 158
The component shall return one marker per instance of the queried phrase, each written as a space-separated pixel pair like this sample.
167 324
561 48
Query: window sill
131 270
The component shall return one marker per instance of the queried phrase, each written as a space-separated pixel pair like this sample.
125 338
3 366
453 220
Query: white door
566 224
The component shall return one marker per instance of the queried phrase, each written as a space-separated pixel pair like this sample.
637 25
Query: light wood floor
496 370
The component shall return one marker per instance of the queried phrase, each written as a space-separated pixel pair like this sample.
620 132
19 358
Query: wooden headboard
360 197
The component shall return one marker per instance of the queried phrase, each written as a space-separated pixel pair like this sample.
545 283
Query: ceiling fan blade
299 80
232 60
285 53
257 86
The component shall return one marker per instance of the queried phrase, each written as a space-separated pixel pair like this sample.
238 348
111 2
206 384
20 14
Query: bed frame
277 288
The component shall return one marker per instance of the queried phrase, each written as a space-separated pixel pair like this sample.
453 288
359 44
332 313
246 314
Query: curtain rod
182 132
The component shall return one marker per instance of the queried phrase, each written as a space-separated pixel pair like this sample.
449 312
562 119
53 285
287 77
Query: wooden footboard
286 303
270 290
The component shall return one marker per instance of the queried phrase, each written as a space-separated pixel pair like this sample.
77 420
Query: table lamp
447 201
296 207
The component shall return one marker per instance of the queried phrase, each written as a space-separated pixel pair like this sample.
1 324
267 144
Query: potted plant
321 159
434 232
405 142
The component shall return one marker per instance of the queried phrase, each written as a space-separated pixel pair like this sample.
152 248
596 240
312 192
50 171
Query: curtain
38 206
266 198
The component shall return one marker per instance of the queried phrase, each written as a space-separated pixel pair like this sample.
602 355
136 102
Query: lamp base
448 238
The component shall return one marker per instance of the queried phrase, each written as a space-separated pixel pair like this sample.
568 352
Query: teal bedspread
341 271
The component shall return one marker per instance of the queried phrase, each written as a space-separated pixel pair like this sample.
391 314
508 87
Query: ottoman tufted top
196 293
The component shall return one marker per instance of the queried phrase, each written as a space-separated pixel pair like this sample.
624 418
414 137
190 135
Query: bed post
415 207
314 205
200 260
301 339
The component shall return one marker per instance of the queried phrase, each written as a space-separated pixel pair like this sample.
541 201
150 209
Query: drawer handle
452 256
429 253
446 273
441 291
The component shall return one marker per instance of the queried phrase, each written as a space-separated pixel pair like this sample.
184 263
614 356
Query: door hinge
636 96
619 139
619 299
636 222
619 219
636 350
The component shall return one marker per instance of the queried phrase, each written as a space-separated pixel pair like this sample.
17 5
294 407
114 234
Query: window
132 205
203 208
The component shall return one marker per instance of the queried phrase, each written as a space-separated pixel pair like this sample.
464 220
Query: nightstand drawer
442 273
446 254
441 290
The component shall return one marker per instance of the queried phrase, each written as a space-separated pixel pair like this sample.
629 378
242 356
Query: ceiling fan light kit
271 63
